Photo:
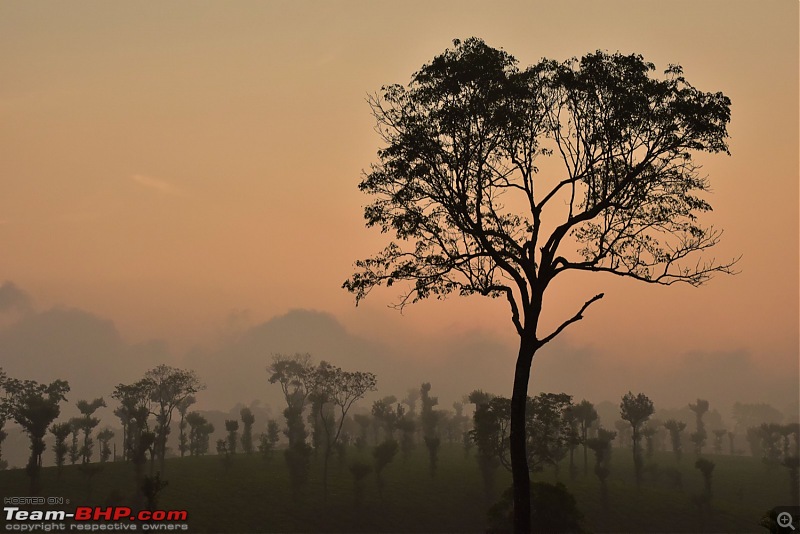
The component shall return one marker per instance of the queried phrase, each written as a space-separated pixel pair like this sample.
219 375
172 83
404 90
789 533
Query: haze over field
178 184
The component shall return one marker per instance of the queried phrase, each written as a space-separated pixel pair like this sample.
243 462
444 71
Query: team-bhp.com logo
94 519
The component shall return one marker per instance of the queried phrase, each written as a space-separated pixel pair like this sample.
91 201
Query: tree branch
577 317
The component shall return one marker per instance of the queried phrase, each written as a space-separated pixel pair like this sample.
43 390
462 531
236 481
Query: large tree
458 184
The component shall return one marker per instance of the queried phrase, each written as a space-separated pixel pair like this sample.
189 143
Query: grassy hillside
254 495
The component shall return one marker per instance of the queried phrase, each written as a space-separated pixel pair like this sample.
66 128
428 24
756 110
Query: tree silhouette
87 424
430 420
183 408
269 439
61 432
248 419
675 428
636 410
232 427
585 414
33 406
338 389
699 436
601 445
200 431
458 185
104 436
168 387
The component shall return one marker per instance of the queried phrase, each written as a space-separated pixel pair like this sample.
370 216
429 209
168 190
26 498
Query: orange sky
165 165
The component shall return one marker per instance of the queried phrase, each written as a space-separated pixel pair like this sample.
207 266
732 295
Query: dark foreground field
253 495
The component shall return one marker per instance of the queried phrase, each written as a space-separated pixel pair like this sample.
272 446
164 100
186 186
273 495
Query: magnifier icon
785 520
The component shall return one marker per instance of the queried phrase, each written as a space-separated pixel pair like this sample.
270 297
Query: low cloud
156 184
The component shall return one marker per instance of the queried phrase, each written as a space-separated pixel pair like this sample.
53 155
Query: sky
178 184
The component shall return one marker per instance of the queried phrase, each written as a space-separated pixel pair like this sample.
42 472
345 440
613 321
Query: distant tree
61 432
648 433
457 186
200 431
586 415
384 453
430 420
269 440
33 406
232 427
104 437
168 387
183 438
87 425
294 374
386 413
719 435
75 425
248 419
700 435
339 389
601 446
731 443
771 435
706 468
135 401
675 428
487 434
410 400
636 409
573 439
223 449
133 412
752 415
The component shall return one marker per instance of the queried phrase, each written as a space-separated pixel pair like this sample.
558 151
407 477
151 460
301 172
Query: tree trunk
519 456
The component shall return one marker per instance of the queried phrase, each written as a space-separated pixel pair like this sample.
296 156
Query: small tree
104 437
706 468
269 439
168 387
183 438
601 445
585 414
430 420
232 427
636 410
87 425
200 431
338 389
699 436
61 432
248 419
675 428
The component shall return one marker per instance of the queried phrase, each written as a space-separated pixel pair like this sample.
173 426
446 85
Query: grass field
254 495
